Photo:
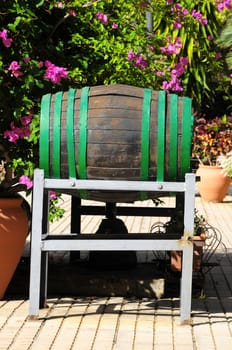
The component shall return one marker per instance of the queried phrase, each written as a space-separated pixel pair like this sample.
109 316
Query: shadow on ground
144 280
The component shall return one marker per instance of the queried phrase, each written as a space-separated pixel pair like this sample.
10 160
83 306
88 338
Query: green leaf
13 26
40 3
190 50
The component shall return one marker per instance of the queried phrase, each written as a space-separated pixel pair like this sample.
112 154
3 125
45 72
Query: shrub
211 139
48 46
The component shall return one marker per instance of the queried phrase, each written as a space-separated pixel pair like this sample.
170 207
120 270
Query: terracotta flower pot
213 185
198 247
14 228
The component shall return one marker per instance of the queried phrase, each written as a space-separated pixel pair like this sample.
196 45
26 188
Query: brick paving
119 323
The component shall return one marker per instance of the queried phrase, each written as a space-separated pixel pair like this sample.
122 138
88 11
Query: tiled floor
120 323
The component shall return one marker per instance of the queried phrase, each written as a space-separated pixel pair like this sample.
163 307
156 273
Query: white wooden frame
39 243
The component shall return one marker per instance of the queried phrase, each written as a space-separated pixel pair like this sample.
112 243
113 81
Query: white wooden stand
42 242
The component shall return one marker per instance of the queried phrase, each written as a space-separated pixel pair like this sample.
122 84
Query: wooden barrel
115 132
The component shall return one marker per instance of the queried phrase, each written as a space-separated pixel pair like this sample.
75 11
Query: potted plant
14 220
212 139
15 214
199 238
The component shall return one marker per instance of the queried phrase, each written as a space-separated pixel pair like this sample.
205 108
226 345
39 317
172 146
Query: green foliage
55 210
225 40
212 138
104 50
225 161
95 52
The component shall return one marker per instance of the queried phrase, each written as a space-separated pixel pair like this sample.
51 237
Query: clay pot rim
209 166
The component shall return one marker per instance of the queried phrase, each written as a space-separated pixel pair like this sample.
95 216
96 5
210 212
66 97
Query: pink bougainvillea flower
178 6
139 60
72 13
11 135
114 25
131 55
172 48
179 9
26 59
184 61
178 70
177 24
15 67
160 74
204 21
5 40
218 56
175 83
17 73
221 5
196 14
25 132
26 120
53 195
102 17
25 180
199 18
55 73
15 133
180 12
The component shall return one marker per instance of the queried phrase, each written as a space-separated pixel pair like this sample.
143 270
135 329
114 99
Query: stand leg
187 262
44 255
36 236
75 224
186 283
